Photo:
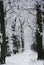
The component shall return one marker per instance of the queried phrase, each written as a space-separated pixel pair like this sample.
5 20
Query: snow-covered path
25 58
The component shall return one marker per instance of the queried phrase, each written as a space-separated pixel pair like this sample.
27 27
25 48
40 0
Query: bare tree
22 33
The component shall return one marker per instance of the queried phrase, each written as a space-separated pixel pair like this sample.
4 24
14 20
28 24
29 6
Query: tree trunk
3 45
39 32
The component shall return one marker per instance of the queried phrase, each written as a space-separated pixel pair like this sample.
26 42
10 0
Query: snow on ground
26 58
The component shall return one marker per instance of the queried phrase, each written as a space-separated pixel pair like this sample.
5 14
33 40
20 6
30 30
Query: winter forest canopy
21 27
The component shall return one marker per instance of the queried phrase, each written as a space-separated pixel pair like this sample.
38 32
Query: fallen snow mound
28 57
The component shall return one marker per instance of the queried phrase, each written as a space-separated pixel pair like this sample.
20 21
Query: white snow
28 57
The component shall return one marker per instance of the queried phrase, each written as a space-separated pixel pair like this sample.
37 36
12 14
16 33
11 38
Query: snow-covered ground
28 57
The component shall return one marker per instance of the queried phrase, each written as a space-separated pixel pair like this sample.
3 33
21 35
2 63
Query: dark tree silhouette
3 45
39 32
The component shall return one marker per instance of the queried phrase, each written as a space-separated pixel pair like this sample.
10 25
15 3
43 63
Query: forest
21 31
